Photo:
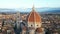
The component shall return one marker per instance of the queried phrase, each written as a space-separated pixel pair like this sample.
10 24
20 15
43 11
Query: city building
1 23
34 23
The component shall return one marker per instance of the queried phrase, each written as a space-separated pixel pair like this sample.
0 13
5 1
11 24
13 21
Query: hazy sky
29 3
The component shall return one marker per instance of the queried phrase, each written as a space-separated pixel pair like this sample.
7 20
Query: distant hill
40 10
51 11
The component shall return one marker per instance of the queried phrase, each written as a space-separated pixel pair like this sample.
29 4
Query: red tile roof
39 30
34 17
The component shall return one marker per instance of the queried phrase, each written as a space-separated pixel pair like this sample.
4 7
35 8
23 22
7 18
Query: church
33 23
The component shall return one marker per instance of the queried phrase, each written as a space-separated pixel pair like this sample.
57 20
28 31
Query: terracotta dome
34 16
39 30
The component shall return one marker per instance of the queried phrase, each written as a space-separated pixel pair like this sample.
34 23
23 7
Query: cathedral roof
39 30
34 16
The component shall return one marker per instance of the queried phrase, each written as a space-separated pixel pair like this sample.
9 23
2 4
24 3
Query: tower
34 21
18 20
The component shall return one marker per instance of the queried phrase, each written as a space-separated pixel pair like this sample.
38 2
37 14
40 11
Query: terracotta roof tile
39 30
34 17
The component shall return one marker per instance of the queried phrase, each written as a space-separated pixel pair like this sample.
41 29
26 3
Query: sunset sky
29 3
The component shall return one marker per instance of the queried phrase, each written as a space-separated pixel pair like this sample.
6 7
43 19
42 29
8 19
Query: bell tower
18 20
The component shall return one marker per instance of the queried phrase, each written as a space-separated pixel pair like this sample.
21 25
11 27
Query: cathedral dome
34 16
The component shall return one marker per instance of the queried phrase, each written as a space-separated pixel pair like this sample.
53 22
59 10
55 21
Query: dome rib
34 17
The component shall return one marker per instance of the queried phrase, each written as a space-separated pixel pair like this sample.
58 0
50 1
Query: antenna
33 8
